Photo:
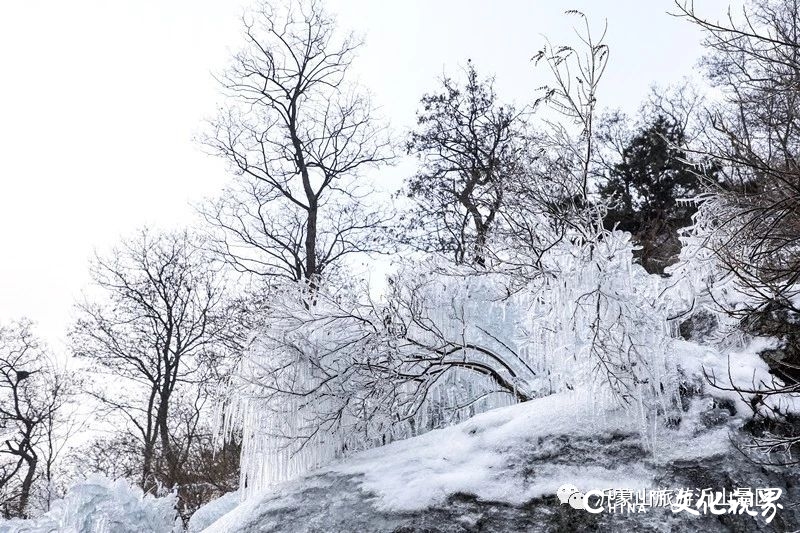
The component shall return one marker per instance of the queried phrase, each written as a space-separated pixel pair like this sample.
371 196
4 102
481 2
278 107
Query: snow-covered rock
500 470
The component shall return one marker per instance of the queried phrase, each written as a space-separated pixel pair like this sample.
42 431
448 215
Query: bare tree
551 199
33 393
162 330
531 189
300 136
567 164
471 148
576 73
753 133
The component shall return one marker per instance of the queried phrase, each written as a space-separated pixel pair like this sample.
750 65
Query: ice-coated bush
334 370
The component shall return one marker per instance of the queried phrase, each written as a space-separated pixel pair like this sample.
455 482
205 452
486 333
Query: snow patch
212 511
486 457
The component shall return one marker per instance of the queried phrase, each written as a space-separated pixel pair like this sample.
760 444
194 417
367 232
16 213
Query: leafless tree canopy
33 394
161 327
754 134
300 136
576 72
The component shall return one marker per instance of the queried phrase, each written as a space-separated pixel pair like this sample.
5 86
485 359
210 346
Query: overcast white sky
100 100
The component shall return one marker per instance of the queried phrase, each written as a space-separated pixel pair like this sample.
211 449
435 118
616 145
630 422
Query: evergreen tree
645 188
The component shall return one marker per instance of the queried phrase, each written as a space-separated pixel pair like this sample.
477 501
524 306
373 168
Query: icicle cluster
341 373
702 282
599 322
100 505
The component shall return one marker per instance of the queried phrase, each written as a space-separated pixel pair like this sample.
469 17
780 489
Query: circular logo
577 500
565 491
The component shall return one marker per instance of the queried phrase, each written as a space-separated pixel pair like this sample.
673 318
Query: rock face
331 501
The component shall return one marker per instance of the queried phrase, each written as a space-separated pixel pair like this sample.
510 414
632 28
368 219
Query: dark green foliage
644 190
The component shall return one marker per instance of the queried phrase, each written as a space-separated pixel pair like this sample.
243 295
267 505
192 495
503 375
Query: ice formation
99 505
705 284
345 373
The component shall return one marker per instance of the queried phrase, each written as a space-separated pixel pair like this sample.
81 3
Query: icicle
546 327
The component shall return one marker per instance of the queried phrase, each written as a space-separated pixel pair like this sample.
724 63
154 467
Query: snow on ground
486 457
742 367
210 512
474 457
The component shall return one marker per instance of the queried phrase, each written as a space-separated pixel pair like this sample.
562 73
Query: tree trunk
311 243
149 435
162 421
480 242
27 483
147 463
313 205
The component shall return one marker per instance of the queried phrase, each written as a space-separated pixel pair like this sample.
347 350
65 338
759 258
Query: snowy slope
511 455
